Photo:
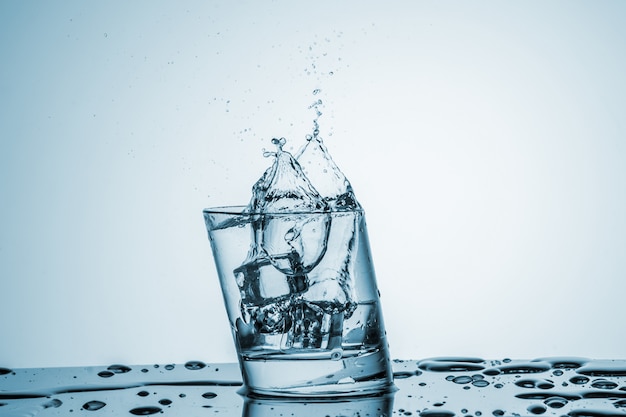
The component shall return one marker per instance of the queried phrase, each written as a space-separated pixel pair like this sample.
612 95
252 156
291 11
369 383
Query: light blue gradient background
486 141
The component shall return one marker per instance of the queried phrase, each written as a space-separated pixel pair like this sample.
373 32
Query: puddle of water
434 387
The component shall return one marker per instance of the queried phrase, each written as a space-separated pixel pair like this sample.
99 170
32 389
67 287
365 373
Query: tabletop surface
435 387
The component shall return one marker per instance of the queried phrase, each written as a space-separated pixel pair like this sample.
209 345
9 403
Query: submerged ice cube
260 282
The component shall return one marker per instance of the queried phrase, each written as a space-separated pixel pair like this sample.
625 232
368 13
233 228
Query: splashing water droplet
93 405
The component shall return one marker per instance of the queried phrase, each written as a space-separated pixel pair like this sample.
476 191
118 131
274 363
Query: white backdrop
485 140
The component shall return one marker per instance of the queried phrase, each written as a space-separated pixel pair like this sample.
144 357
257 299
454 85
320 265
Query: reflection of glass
302 301
378 406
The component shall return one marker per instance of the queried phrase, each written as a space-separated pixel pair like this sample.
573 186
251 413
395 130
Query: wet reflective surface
433 387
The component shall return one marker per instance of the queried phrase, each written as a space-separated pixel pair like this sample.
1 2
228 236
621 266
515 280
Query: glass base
359 374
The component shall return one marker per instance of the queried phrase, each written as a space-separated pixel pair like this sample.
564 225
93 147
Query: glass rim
238 210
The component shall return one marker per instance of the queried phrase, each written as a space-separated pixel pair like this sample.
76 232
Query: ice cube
295 243
272 318
310 326
260 282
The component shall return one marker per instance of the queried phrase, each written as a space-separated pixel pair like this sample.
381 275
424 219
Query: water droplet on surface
4 371
555 402
480 383
105 374
53 404
498 412
145 411
462 379
537 409
195 365
579 380
436 413
93 405
165 401
603 384
119 369
170 367
143 393
209 395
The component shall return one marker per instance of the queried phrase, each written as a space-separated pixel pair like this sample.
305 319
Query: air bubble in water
145 411
93 405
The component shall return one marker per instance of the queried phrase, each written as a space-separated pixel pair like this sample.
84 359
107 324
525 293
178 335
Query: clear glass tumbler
302 301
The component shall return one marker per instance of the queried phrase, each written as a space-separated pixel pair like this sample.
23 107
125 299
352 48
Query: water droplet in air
93 405
195 365
145 411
